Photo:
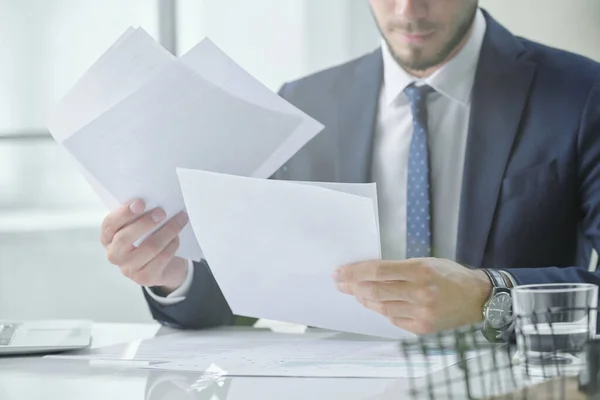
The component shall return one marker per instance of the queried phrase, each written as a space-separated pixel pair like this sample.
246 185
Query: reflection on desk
33 378
175 386
170 386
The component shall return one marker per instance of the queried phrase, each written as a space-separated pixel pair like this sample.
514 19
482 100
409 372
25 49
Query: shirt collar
454 80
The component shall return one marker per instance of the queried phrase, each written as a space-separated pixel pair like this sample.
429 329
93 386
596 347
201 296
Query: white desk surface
28 378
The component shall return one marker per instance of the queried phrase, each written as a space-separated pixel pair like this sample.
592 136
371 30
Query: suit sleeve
204 305
588 163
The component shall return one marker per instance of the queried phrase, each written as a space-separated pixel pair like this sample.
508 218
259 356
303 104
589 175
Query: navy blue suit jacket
530 201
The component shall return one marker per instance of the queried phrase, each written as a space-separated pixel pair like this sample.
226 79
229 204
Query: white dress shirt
178 294
448 108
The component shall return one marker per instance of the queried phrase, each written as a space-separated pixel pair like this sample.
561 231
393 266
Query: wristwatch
497 310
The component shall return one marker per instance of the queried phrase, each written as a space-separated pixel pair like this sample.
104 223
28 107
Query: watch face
499 310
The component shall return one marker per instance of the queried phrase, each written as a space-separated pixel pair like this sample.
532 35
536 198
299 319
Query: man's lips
413 37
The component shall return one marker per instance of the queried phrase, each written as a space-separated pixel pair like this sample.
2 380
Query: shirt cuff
178 295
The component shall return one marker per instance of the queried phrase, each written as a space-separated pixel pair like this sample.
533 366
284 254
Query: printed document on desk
238 351
273 246
329 357
176 118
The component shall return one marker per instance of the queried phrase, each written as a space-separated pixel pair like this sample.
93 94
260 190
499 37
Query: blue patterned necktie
418 199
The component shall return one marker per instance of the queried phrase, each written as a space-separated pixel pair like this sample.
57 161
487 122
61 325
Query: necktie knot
417 94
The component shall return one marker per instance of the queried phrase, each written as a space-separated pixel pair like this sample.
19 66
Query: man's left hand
422 295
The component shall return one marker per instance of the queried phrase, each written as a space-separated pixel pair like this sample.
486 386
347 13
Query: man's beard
418 64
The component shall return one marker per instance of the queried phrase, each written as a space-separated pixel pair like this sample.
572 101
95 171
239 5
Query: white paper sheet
273 246
260 352
129 63
322 358
368 190
133 64
179 119
214 65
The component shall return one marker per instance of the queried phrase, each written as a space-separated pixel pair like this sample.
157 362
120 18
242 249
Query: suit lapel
356 119
499 96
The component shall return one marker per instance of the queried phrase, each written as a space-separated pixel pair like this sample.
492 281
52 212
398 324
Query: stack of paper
320 358
139 113
256 352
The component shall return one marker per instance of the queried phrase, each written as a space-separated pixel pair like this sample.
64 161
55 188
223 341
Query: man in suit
486 152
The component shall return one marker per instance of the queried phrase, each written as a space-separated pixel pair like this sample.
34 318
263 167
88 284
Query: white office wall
277 40
337 30
265 36
571 25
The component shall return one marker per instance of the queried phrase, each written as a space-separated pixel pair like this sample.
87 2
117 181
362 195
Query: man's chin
416 64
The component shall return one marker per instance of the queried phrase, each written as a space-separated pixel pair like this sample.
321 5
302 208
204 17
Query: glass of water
553 323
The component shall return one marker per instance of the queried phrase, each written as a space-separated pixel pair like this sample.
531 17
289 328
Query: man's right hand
153 263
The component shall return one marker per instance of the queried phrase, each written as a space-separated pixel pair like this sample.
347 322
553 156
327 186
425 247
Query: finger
154 244
121 248
418 327
404 315
390 291
407 324
131 233
345 288
378 270
390 309
404 323
119 218
152 273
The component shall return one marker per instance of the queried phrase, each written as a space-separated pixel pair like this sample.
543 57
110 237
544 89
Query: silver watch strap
496 278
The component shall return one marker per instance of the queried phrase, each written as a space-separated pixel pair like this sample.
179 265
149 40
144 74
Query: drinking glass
553 324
